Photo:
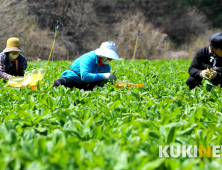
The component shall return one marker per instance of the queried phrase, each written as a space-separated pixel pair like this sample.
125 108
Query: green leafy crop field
109 128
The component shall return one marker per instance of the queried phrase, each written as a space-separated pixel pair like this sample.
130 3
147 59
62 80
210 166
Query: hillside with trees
85 24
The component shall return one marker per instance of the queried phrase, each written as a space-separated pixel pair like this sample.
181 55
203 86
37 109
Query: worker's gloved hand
205 74
109 76
8 77
213 74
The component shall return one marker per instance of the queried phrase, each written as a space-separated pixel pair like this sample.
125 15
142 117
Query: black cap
216 40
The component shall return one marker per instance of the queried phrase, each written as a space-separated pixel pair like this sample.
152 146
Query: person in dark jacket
207 57
12 63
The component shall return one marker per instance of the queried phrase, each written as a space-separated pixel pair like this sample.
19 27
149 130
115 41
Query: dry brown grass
16 21
80 31
83 28
150 42
198 42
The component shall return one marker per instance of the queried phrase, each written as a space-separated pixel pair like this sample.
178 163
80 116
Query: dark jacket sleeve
24 66
219 76
196 65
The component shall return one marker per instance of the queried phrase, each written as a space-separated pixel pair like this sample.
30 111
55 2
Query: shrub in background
151 40
85 24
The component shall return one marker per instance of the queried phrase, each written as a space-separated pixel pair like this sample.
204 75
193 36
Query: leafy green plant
109 128
207 83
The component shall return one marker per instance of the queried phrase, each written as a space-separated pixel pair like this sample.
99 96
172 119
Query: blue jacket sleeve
109 69
86 69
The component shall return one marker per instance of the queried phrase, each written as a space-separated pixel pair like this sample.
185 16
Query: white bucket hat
107 49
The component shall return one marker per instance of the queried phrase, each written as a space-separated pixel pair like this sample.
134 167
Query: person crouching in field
90 69
12 63
207 57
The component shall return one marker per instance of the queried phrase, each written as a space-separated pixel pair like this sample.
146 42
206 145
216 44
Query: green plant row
109 128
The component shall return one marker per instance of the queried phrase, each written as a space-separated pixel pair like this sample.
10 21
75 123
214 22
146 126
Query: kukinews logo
189 151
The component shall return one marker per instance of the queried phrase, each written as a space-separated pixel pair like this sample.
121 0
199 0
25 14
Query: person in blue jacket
90 69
